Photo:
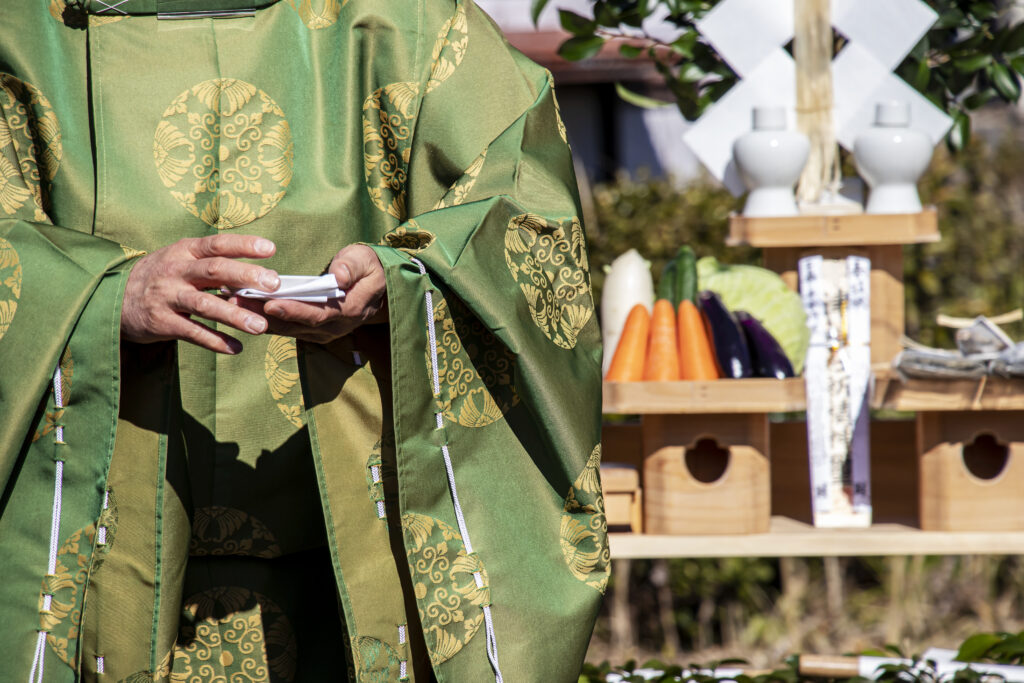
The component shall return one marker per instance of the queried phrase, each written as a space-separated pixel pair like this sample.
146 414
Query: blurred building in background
606 133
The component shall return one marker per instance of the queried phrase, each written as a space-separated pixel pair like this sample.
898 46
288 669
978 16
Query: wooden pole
812 48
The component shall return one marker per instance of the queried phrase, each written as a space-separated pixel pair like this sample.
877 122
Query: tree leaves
971 55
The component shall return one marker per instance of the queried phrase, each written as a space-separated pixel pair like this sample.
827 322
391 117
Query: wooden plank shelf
989 393
735 396
788 537
716 396
839 230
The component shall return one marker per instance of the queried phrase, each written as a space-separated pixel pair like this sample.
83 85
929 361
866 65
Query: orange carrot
662 353
630 355
696 358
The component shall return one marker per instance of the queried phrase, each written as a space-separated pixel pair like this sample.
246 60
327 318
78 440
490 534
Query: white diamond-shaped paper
750 35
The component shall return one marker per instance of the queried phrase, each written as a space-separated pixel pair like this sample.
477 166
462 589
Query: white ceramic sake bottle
770 159
891 156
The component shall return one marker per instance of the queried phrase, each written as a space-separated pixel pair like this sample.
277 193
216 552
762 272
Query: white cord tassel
36 675
492 642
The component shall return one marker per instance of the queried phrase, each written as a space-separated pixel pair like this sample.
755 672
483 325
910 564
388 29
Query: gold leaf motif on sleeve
225 150
281 369
548 260
409 237
317 14
10 284
449 600
389 118
476 371
449 47
460 189
584 529
31 148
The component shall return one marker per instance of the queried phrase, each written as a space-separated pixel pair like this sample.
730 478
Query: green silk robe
418 499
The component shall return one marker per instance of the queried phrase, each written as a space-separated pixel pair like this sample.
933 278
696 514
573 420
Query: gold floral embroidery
388 121
459 190
326 14
219 530
282 372
584 529
449 47
449 599
548 259
233 634
225 150
67 584
410 238
389 117
131 252
31 147
558 110
476 371
376 661
10 282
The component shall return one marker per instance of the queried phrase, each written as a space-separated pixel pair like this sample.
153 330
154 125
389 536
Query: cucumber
686 276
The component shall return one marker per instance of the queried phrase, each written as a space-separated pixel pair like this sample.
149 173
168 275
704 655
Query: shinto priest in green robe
416 499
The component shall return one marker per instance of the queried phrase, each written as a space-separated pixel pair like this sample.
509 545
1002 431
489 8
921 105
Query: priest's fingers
357 262
304 312
230 245
181 327
210 307
218 271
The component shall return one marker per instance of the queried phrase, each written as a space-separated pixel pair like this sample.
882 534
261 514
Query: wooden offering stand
719 478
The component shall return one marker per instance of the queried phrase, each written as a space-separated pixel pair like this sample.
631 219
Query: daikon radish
628 282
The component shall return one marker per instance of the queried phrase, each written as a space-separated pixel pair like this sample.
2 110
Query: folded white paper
312 288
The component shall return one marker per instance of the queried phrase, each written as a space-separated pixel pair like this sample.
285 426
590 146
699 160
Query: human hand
166 287
359 272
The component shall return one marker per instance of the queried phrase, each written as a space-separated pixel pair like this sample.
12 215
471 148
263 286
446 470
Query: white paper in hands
312 288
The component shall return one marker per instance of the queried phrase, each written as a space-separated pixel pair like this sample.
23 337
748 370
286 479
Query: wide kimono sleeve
495 355
60 302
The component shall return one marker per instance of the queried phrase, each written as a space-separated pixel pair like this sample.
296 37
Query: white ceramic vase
770 159
891 156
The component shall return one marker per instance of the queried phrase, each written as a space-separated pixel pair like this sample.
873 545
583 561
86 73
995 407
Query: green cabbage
764 295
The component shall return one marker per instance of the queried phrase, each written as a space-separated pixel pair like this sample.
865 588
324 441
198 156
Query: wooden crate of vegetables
687 353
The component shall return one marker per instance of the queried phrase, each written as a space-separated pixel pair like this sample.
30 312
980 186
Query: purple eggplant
727 337
765 353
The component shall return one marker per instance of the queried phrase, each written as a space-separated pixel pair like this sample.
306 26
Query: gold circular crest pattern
548 260
409 237
234 634
584 529
318 13
225 150
10 284
67 585
376 661
31 146
389 118
220 530
449 600
282 373
475 370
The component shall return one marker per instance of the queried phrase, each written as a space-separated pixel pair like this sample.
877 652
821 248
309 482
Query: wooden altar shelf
716 396
733 396
845 230
790 538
